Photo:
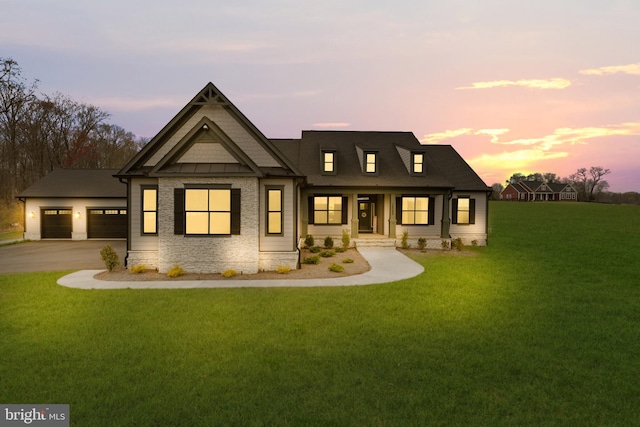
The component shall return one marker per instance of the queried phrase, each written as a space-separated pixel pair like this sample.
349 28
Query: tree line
589 183
40 132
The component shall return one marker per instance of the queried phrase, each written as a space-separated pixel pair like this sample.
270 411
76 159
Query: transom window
327 209
417 163
370 163
328 161
149 210
207 211
274 211
415 210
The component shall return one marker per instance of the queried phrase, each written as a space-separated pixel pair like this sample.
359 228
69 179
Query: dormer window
417 163
329 162
371 162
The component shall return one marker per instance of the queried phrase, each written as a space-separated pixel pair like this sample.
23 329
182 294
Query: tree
496 191
549 177
590 183
516 177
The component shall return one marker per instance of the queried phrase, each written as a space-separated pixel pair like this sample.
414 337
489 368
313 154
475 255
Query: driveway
52 255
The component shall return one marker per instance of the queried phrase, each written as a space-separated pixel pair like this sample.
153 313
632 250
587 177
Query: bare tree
590 183
496 191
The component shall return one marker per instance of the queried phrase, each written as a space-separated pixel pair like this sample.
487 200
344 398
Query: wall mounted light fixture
78 214
32 214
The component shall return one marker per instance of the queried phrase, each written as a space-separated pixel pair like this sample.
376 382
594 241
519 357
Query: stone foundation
270 261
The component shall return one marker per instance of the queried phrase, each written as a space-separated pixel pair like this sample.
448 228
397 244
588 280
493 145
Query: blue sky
546 86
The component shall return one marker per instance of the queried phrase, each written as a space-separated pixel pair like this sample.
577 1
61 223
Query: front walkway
387 265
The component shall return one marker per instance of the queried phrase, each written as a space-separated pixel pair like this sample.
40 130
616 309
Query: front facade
211 193
530 191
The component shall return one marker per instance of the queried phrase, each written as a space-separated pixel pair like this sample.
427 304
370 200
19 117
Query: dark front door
365 217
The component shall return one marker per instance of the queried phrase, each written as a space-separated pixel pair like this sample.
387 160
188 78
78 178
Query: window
207 211
370 162
415 210
149 210
464 210
417 163
327 210
274 210
328 161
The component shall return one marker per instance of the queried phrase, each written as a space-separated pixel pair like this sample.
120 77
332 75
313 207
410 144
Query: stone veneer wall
148 258
270 261
209 254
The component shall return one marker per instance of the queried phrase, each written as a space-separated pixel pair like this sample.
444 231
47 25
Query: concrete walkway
387 265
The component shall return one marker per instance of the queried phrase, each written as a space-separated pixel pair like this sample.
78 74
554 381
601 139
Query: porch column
304 214
446 221
392 216
355 222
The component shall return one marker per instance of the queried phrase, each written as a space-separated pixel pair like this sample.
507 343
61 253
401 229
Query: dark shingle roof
443 165
77 183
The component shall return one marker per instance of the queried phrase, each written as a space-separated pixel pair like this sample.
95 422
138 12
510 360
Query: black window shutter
345 211
432 210
178 211
235 211
454 211
310 204
472 211
399 210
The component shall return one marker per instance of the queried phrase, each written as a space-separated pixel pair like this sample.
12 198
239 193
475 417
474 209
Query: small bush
422 243
175 271
138 268
110 257
315 259
283 269
445 245
328 242
346 239
336 268
474 242
315 249
308 241
327 254
457 243
340 250
229 273
347 261
405 240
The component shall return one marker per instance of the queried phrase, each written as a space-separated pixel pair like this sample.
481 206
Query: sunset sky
514 86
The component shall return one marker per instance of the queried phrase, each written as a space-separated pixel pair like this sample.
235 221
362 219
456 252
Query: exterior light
78 214
32 214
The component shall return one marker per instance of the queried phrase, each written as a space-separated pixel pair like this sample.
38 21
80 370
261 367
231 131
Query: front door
364 215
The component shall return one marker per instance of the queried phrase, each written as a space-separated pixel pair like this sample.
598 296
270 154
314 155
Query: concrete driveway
52 255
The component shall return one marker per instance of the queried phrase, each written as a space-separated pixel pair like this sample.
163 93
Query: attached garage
76 204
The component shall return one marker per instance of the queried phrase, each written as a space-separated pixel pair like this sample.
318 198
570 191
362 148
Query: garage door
56 223
107 223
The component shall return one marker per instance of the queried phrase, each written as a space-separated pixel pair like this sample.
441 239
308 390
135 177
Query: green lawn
540 328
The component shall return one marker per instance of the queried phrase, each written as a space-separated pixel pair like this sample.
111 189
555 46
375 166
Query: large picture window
327 209
415 210
207 211
149 210
274 210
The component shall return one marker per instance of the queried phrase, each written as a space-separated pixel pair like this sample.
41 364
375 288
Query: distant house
210 192
76 204
529 191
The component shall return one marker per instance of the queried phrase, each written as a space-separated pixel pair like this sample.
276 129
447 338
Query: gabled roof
156 160
77 183
444 168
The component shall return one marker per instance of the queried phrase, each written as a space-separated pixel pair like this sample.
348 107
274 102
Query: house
210 192
539 191
76 204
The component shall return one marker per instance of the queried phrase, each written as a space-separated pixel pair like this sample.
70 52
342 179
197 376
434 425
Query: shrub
422 243
175 271
110 257
346 239
328 242
405 240
457 243
474 242
315 249
315 259
137 269
283 269
445 245
336 268
229 273
347 261
308 241
340 250
327 254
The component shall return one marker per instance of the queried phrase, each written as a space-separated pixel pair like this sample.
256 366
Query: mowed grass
540 328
